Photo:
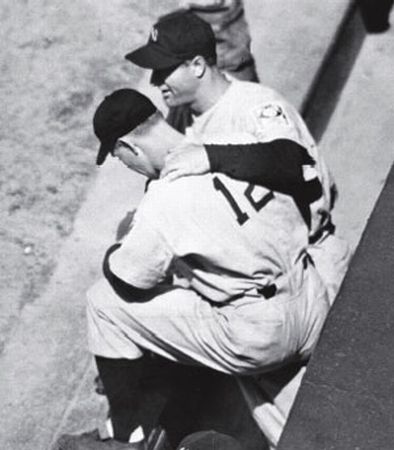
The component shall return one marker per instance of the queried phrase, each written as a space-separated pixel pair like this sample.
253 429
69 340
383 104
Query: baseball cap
118 114
209 440
174 39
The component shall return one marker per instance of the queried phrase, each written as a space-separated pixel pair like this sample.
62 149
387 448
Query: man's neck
162 140
168 137
210 92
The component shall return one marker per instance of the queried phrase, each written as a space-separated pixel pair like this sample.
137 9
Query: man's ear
199 66
132 147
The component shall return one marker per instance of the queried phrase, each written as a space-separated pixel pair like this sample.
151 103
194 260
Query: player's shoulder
251 101
188 193
255 92
163 193
265 113
169 202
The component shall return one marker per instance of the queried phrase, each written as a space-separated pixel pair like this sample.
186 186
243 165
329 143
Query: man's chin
170 103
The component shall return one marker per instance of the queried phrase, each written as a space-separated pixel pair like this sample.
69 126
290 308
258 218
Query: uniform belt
271 290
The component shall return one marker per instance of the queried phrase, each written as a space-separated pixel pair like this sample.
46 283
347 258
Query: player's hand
185 159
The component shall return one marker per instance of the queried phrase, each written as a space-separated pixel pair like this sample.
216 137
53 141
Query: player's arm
135 267
125 290
277 165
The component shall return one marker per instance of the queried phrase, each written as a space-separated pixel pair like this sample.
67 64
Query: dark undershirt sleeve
276 165
127 292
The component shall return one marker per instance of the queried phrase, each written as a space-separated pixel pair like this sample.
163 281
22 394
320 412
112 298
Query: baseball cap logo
154 34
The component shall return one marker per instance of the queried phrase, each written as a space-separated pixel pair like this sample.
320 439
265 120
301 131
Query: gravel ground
59 59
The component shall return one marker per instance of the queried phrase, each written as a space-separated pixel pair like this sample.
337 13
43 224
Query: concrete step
357 144
291 40
345 400
44 365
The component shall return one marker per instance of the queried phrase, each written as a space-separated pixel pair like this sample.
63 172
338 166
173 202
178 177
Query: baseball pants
331 256
249 336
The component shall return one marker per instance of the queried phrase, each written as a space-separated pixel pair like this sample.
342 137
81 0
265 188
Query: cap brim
152 57
105 148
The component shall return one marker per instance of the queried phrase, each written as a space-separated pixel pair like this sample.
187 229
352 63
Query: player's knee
249 356
238 360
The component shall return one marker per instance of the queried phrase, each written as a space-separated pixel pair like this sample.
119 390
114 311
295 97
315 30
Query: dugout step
346 398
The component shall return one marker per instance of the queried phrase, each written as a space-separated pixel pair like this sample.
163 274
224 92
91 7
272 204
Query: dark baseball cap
118 114
209 440
174 39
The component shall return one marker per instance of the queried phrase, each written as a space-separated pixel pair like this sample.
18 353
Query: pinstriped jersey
222 235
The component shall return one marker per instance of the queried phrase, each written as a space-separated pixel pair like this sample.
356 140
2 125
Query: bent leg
247 336
331 257
270 395
176 324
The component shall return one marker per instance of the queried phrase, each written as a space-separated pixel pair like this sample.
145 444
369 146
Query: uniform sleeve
143 259
274 120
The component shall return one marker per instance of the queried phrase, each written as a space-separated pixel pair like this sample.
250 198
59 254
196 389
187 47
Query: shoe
92 441
158 440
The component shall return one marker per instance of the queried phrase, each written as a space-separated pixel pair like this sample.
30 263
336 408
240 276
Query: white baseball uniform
260 111
254 304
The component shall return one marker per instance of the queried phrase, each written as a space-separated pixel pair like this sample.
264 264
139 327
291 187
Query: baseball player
245 300
182 56
227 19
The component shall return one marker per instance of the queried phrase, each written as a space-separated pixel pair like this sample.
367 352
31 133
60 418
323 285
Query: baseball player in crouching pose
246 300
181 53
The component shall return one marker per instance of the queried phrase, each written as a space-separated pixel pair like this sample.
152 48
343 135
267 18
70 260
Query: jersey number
242 216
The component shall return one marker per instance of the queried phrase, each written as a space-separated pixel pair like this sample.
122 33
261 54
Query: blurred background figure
376 14
227 19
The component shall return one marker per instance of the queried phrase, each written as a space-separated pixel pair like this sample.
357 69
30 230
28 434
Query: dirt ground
59 59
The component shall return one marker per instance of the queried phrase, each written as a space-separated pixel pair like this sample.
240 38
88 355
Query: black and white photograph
197 208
